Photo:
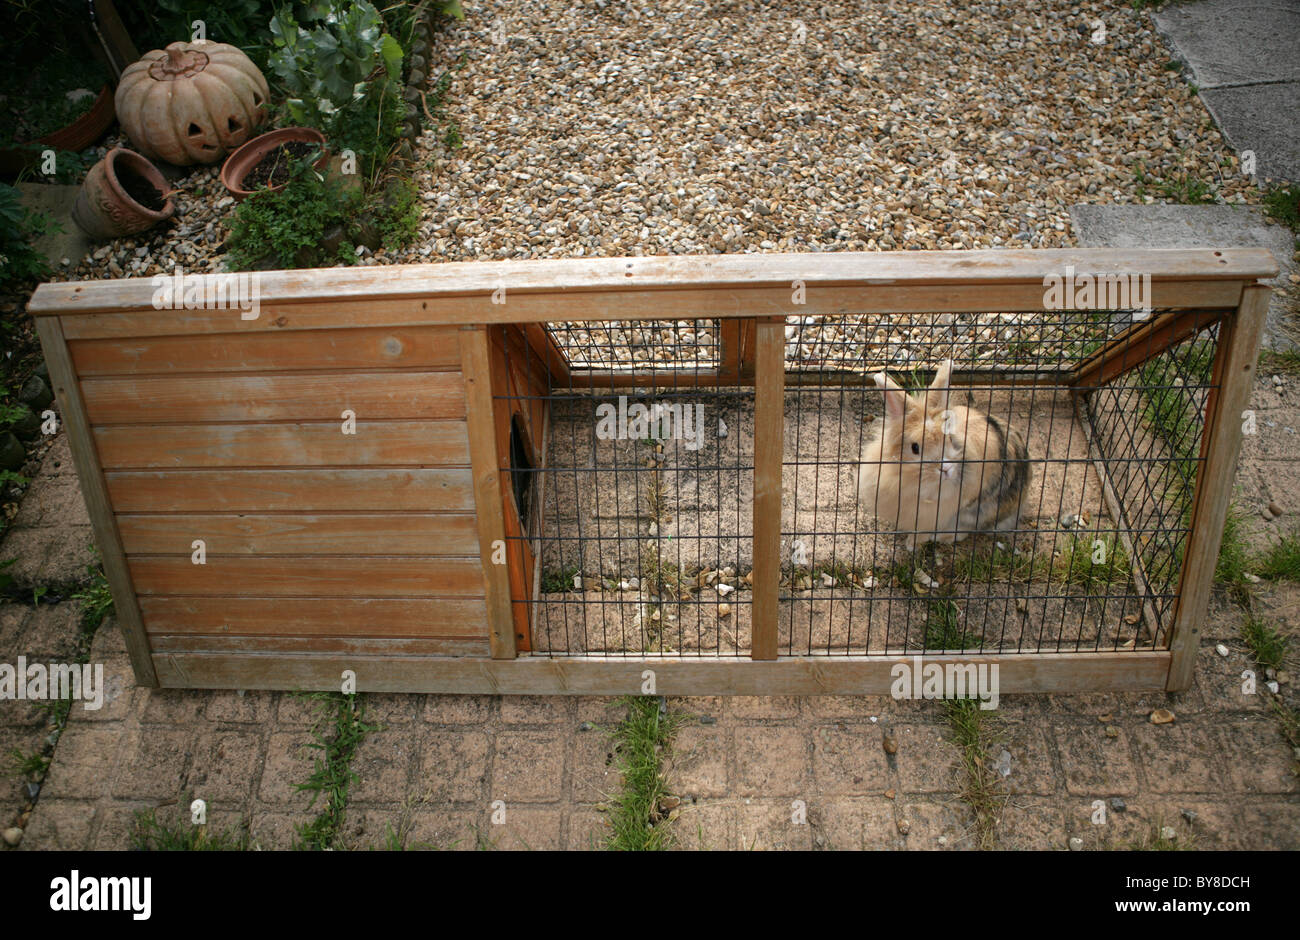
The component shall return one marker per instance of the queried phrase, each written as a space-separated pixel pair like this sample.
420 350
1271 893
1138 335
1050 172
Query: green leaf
391 51
453 8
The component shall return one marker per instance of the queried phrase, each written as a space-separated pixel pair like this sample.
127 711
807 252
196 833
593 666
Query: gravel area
603 128
674 127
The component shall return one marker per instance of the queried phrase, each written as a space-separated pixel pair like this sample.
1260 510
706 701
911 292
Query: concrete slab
1264 119
56 201
1235 42
1171 226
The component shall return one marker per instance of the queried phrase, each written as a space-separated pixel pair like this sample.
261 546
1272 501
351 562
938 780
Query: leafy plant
289 226
19 228
400 222
240 23
96 600
341 76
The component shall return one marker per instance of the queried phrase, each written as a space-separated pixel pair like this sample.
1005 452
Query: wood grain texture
317 616
290 490
535 675
564 278
99 505
309 576
428 348
404 533
1234 376
334 645
627 304
769 441
476 361
300 444
191 399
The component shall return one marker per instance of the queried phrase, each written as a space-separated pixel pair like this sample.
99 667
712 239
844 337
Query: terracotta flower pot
78 135
105 209
240 163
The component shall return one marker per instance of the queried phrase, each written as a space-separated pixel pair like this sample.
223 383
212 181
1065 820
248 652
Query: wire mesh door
1010 503
1089 422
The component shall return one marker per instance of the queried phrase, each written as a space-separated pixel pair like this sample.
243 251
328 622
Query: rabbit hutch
568 476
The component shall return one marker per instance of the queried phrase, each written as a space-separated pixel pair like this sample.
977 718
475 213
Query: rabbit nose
948 469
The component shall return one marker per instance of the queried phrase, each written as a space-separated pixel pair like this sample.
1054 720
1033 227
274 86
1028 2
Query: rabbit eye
916 448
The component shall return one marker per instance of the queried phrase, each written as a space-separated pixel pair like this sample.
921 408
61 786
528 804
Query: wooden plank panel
99 505
669 303
427 348
317 616
311 576
375 444
814 675
543 344
572 275
340 646
406 533
769 442
198 398
289 490
1234 375
511 382
488 502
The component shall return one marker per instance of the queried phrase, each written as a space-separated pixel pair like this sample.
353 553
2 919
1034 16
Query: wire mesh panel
643 521
947 485
1147 426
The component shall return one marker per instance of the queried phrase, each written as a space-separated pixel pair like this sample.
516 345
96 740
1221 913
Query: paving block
1234 42
1169 226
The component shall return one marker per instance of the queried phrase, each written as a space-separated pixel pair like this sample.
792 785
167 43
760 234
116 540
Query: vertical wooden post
86 458
1234 372
769 433
736 363
729 354
485 465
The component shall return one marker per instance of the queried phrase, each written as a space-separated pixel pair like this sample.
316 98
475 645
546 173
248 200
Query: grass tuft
1281 560
1280 361
1230 570
558 580
1282 203
1267 644
974 735
150 835
944 629
642 739
332 774
1094 562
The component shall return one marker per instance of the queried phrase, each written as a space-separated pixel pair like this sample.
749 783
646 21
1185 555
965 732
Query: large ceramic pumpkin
192 102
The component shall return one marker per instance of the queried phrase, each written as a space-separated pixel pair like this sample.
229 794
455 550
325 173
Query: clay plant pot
105 209
78 135
240 163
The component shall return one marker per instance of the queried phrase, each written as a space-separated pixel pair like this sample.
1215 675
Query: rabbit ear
895 395
940 389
